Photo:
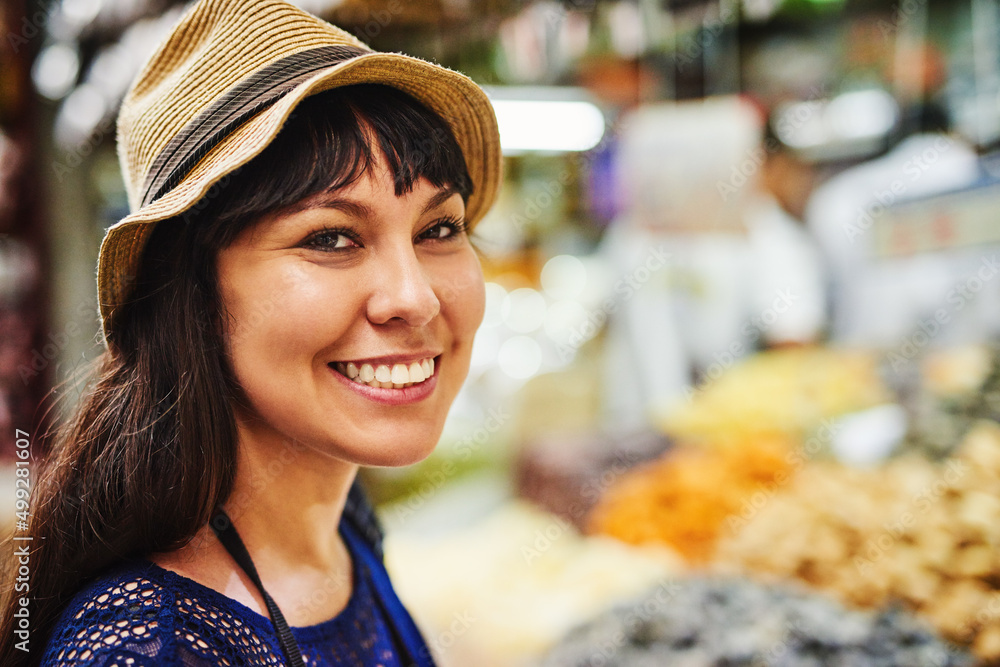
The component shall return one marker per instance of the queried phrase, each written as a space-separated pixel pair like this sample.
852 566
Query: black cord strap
230 539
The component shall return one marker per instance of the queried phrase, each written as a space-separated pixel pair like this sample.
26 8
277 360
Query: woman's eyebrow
329 200
443 195
361 210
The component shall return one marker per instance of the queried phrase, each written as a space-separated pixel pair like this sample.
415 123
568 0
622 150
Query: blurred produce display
912 531
783 391
566 474
958 387
735 623
685 498
502 592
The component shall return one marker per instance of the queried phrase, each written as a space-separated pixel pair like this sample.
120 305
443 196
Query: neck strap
230 539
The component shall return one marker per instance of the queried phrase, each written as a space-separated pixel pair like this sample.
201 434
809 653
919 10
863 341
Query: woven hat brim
453 96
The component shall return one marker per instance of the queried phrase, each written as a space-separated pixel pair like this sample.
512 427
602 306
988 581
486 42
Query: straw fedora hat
218 90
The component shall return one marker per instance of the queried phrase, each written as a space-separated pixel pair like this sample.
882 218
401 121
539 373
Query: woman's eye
444 229
331 240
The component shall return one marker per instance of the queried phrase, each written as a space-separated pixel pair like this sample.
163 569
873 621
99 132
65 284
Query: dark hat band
221 118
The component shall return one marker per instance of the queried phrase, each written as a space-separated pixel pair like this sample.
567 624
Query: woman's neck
287 500
286 505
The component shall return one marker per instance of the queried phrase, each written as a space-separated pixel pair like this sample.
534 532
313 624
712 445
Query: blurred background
735 397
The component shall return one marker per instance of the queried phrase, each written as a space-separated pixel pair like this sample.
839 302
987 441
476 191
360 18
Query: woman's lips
386 376
408 392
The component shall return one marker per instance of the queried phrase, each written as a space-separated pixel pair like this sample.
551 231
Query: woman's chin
398 456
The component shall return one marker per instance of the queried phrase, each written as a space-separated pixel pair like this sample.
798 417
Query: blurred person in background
788 272
706 190
882 295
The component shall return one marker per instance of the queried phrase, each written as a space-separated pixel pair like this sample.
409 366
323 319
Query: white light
555 126
112 71
863 114
564 319
564 277
484 348
318 6
524 310
495 297
520 357
800 124
55 70
628 35
81 12
79 116
851 117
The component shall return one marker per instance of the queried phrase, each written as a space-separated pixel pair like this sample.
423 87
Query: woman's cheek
289 301
464 292
477 296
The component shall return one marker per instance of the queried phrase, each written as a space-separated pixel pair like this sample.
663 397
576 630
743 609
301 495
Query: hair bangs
330 142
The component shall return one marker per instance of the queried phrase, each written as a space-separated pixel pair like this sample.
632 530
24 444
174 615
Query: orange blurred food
688 498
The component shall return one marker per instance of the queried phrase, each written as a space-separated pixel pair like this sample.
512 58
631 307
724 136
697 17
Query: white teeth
400 374
397 376
416 372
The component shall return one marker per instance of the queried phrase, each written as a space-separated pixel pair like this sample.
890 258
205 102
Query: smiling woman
293 296
359 272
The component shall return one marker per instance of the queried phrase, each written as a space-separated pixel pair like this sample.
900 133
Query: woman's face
349 285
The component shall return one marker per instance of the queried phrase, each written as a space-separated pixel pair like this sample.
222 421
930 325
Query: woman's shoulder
141 615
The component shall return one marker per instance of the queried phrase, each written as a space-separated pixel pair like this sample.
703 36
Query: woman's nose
400 288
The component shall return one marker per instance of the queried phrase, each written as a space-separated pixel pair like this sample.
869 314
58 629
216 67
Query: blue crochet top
140 615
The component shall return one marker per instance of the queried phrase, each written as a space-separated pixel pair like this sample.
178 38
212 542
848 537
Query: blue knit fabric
141 615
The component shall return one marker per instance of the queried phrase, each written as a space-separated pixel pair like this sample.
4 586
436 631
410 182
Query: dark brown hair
150 451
